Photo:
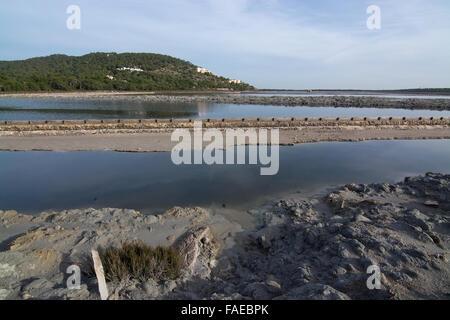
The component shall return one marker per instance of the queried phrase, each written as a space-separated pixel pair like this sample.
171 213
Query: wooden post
98 267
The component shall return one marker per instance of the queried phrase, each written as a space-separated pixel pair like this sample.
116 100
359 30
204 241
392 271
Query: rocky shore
299 248
236 98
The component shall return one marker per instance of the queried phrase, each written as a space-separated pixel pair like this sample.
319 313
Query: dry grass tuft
136 260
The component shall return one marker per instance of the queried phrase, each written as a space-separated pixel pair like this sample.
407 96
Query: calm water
36 181
60 109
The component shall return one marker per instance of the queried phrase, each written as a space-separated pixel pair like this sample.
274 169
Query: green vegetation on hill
102 71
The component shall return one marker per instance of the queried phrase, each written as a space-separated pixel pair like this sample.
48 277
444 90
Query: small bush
136 260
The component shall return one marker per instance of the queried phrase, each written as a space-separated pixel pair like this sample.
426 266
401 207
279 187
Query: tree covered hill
108 71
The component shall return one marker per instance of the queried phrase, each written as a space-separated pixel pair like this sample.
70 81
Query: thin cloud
270 43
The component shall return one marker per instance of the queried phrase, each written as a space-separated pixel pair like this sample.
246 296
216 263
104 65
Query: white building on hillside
202 70
130 69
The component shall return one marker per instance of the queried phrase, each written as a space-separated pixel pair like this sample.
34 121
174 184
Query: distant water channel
33 181
71 109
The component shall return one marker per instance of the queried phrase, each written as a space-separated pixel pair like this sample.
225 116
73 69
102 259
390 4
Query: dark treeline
102 71
425 90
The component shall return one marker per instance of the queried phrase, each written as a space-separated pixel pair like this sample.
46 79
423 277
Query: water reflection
60 109
34 181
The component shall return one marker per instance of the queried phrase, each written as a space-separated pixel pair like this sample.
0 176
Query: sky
279 44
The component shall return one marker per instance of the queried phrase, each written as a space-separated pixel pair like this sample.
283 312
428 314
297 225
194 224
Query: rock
26 296
46 259
263 242
431 203
424 236
361 218
336 201
335 227
273 220
434 237
169 286
273 287
417 253
312 237
304 272
385 187
11 217
7 270
78 294
314 291
417 218
197 248
354 187
185 212
258 291
442 257
37 287
4 294
340 271
343 252
151 219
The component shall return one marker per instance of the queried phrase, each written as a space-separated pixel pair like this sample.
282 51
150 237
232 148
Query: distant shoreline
38 94
239 97
422 92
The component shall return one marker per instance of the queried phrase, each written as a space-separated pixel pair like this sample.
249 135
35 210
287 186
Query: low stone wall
43 125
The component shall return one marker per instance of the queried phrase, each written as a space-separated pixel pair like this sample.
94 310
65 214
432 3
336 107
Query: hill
108 71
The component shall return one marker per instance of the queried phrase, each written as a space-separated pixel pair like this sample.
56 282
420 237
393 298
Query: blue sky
268 43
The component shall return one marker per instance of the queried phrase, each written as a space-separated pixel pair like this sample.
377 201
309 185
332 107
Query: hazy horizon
271 44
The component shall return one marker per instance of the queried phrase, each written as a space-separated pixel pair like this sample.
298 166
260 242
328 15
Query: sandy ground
317 247
160 140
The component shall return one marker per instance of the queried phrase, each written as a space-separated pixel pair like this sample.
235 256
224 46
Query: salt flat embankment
64 125
149 135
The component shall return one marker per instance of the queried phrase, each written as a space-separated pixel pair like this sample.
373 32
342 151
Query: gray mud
314 248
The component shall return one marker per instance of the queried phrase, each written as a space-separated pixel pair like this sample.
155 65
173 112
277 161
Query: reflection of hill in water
202 108
67 109
143 181
105 112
